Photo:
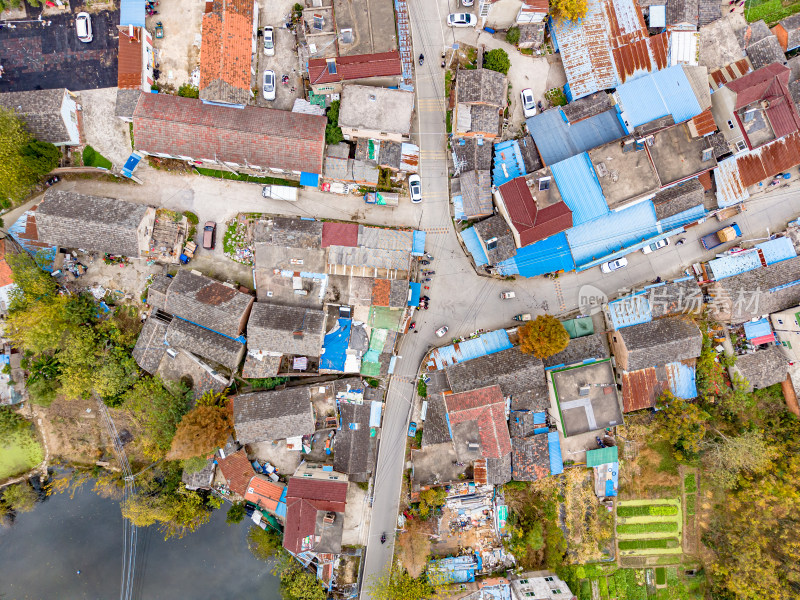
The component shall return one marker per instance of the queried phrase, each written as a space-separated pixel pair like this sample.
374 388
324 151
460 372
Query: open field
648 527
19 452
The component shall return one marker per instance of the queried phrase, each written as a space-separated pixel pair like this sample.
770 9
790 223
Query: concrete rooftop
597 410
623 176
677 155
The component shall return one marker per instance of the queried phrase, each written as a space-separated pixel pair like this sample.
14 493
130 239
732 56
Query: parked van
209 235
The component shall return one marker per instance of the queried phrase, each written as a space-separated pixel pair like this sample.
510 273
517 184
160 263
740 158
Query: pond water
19 452
42 552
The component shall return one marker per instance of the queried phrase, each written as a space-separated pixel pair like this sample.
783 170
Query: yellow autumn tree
568 10
543 337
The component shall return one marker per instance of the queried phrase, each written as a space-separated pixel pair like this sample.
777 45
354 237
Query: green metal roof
578 327
601 456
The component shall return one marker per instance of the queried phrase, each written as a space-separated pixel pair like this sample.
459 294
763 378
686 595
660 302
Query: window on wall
741 145
730 124
550 578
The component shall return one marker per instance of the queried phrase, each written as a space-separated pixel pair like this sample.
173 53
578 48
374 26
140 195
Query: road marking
562 305
404 379
435 230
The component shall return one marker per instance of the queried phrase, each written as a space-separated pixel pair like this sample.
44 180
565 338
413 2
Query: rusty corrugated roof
704 123
769 159
640 389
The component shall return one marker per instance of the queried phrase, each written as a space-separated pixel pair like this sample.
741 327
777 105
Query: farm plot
649 527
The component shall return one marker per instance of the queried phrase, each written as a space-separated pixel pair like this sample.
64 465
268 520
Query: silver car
268 88
462 20
269 41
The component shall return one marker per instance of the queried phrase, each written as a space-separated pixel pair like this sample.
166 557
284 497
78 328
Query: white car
269 41
415 189
268 88
462 20
655 246
83 26
467 2
528 102
441 331
614 265
507 295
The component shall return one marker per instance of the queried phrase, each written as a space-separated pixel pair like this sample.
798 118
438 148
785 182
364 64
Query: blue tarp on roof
455 569
334 348
774 251
19 231
487 343
691 215
682 380
309 179
655 95
131 12
508 162
611 233
416 292
458 207
558 140
554 446
754 329
418 244
611 484
473 244
539 418
579 187
630 310
546 256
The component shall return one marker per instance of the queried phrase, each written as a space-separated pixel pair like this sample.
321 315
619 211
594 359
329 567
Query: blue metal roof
556 462
657 94
539 418
418 243
508 155
458 207
659 235
682 380
487 343
579 187
416 292
546 256
557 140
612 232
131 12
754 329
630 310
473 244
777 250
774 251
691 215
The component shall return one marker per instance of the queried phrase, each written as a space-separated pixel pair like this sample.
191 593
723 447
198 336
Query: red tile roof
531 223
6 275
339 234
381 290
769 84
262 137
237 471
533 6
129 61
264 493
487 407
303 499
360 66
225 56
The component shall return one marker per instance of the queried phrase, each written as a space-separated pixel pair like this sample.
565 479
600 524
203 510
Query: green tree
399 585
17 174
194 464
333 133
32 283
175 513
11 421
430 500
157 411
497 60
264 543
299 584
512 35
543 337
568 10
187 90
20 497
40 157
235 513
683 425
200 431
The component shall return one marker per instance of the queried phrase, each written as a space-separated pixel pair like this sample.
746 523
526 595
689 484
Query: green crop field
647 510
690 483
771 11
657 527
19 452
649 544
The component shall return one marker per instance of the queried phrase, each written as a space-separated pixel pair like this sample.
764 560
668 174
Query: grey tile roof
578 350
126 103
41 111
287 232
276 415
498 470
91 223
588 106
740 298
531 35
765 52
682 11
352 448
208 302
794 65
391 154
659 342
530 458
267 366
150 347
202 479
720 144
709 11
473 154
482 119
157 292
792 26
675 297
794 90
764 368
752 33
520 424
530 155
719 45
436 430
205 343
438 383
286 329
476 193
496 227
519 375
678 198
481 86
398 293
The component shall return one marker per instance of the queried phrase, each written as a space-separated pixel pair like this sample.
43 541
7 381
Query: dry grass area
77 436
414 546
589 523
652 473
